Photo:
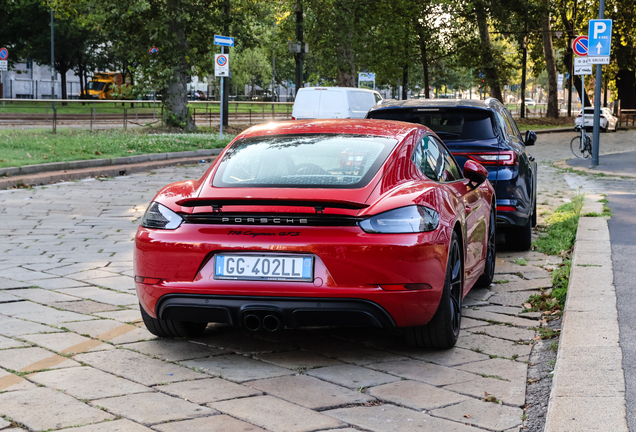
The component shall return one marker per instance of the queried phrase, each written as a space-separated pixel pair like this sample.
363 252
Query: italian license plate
264 267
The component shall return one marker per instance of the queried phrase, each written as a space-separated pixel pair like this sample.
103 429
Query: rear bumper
292 312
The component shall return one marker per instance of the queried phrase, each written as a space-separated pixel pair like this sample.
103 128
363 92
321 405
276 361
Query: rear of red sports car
325 223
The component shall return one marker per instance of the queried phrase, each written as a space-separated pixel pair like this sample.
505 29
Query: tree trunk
625 53
427 93
405 80
626 84
577 85
176 100
487 55
346 65
63 84
550 65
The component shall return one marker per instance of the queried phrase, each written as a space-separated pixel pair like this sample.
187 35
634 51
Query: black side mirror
531 138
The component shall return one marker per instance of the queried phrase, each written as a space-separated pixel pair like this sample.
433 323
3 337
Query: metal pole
221 112
583 108
522 114
52 65
597 99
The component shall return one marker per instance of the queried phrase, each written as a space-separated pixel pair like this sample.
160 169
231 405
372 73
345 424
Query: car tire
489 271
171 328
520 238
534 213
442 331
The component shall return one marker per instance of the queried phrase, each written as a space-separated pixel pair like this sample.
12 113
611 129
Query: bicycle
581 146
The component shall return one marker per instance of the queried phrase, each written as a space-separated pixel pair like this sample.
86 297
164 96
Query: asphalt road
623 239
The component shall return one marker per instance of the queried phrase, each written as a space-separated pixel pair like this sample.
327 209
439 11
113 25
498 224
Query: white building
26 82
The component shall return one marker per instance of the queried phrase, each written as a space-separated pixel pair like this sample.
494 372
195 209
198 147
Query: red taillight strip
506 158
506 208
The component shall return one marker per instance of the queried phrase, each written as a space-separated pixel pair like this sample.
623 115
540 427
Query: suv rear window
449 124
303 161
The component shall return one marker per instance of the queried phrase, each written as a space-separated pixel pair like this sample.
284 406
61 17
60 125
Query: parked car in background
333 103
320 223
529 102
607 121
482 131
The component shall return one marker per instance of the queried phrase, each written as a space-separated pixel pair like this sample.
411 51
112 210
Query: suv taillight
506 158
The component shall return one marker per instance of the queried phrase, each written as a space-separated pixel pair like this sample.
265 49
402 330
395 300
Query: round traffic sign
154 50
4 53
580 46
221 60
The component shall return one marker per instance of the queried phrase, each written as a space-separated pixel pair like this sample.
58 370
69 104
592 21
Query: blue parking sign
600 37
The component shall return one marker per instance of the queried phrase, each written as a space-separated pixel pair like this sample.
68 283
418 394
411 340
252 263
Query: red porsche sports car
320 223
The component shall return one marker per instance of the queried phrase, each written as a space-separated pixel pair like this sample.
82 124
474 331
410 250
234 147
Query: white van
333 103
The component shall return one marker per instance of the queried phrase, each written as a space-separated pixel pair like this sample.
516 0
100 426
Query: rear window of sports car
303 161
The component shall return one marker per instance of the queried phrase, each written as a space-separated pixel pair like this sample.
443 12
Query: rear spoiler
319 205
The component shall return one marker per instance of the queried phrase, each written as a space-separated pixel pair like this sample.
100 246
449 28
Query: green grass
559 240
524 127
29 147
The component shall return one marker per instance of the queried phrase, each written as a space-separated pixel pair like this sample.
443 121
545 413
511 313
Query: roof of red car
385 128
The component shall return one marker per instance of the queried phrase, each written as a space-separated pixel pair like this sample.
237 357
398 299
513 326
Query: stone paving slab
84 306
493 346
297 360
152 408
209 390
56 283
487 415
276 415
10 343
87 383
502 368
389 418
11 382
54 409
351 376
521 285
17 327
137 367
511 393
498 318
39 313
174 350
121 425
112 331
416 395
6 283
122 315
309 392
5 297
102 296
426 372
448 357
217 423
513 334
42 296
67 343
237 368
33 359
240 342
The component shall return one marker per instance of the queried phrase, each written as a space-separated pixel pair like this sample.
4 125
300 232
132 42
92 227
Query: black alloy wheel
489 270
442 331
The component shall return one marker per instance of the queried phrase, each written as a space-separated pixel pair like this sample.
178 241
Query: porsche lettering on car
320 223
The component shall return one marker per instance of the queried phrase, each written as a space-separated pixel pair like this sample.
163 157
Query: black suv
484 131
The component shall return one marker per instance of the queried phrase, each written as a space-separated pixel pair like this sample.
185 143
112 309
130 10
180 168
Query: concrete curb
563 164
588 390
553 130
32 175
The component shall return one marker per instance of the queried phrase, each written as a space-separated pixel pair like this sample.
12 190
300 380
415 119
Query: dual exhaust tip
270 322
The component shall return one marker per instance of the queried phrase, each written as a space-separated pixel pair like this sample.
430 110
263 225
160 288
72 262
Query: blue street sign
224 41
600 37
4 53
580 46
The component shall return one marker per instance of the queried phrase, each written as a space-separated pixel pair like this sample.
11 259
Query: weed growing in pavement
494 376
501 281
542 302
520 261
490 398
554 346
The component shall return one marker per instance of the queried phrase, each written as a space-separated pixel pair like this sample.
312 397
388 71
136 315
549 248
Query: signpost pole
597 99
583 108
222 95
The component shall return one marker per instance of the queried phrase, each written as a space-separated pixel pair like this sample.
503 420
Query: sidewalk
616 164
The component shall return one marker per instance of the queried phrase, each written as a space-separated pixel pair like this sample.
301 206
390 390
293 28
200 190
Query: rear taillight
506 158
506 208
578 116
293 118
602 116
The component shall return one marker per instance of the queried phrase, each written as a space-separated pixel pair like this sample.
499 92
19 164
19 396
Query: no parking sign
221 65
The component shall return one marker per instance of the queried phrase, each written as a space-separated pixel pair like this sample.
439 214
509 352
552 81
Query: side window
512 125
377 96
429 159
451 171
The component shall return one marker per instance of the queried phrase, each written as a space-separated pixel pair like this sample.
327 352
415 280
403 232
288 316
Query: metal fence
130 113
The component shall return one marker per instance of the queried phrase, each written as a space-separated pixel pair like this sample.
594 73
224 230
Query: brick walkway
69 322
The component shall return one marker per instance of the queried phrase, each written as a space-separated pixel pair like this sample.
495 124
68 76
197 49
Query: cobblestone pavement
69 321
